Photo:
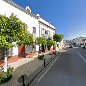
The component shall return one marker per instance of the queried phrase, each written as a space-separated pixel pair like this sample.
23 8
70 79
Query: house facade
36 25
45 29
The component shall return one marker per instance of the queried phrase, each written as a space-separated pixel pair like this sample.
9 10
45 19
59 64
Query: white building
36 25
45 28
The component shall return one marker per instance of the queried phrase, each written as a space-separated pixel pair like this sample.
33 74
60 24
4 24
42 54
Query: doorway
21 51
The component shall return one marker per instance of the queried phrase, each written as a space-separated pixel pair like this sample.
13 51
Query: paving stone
26 69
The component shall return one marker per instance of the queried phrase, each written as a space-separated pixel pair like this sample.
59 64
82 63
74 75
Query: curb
38 71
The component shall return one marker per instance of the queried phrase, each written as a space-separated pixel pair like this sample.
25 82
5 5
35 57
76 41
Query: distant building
79 40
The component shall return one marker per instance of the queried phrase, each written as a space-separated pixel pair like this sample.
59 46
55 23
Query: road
68 70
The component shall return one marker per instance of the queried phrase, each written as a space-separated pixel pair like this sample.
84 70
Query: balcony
46 36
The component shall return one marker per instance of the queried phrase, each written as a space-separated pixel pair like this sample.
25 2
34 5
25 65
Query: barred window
34 29
46 32
43 31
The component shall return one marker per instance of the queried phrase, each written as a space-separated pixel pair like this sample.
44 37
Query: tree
4 37
13 31
23 37
41 41
50 42
58 37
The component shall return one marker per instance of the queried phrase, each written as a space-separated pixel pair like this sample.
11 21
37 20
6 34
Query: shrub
58 37
50 42
5 76
41 41
40 57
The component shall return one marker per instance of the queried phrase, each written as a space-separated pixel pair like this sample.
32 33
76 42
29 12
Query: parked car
82 46
71 46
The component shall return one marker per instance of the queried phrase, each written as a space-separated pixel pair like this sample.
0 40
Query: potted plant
50 42
6 76
41 41
40 57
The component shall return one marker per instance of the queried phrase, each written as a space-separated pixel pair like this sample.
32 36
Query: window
46 32
49 33
43 31
34 29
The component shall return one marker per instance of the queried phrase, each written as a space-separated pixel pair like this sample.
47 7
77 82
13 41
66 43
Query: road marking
80 56
47 70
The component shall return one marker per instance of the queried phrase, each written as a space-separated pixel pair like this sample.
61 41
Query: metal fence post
51 57
44 62
23 80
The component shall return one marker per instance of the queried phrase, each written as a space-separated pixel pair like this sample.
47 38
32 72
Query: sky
68 16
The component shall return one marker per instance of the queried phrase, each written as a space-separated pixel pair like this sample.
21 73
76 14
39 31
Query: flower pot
6 79
40 57
6 76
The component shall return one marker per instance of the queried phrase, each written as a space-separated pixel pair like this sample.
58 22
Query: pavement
26 67
23 61
68 70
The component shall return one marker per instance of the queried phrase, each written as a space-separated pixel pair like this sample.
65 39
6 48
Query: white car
82 46
71 46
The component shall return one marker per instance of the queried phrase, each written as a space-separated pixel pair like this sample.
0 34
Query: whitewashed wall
13 51
7 9
28 49
48 27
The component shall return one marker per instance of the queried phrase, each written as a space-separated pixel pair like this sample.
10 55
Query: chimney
38 15
28 9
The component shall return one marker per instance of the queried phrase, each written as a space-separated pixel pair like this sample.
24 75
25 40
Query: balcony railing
46 36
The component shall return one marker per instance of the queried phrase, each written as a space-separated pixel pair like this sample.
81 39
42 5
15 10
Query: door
21 51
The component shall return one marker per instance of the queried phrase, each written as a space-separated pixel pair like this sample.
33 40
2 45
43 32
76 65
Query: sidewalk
23 61
28 66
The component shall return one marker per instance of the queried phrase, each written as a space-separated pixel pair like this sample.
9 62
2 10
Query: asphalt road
68 70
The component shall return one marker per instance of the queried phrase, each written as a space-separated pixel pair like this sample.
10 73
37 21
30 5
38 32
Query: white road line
47 70
80 56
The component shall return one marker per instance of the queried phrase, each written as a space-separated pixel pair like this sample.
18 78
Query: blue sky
68 16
